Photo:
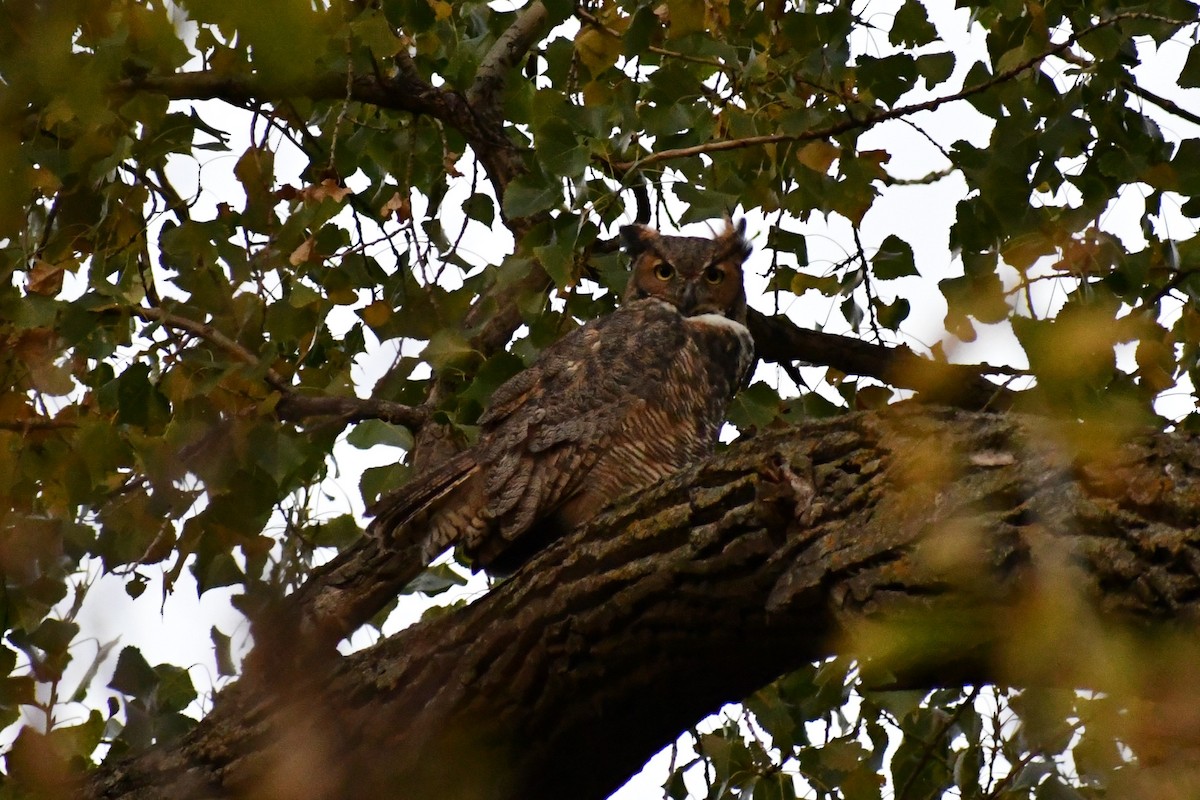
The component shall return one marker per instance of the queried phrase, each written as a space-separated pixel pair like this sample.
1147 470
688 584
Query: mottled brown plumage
612 407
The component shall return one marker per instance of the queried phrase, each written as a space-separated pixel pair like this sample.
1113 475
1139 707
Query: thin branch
1170 106
351 409
292 406
870 120
925 180
210 334
594 21
943 729
400 93
36 424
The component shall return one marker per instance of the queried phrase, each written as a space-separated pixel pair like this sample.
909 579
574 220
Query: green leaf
642 28
133 675
175 690
756 406
435 580
852 312
481 208
528 195
560 150
891 315
372 432
1189 75
911 26
449 349
935 68
893 259
785 241
889 77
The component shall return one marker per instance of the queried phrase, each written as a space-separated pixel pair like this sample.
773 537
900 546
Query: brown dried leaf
303 253
326 188
46 278
399 205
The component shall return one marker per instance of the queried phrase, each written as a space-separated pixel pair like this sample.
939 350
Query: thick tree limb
342 595
505 54
565 678
402 92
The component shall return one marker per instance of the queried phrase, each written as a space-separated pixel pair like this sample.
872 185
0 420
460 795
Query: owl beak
687 303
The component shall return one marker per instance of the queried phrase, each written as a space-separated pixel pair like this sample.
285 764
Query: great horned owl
612 407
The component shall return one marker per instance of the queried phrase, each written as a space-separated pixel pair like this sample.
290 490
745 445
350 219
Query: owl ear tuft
636 238
733 238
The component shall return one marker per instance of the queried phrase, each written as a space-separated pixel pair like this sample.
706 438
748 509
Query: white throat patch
720 321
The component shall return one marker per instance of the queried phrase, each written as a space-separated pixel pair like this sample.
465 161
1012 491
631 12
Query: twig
36 424
210 334
779 340
291 406
594 21
927 750
1169 106
351 409
872 119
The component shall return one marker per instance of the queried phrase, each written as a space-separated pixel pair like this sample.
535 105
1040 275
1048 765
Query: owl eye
663 271
714 275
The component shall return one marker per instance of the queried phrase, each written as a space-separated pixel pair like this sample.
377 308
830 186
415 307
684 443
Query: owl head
694 274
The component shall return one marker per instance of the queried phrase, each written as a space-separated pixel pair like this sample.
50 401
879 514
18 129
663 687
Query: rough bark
564 679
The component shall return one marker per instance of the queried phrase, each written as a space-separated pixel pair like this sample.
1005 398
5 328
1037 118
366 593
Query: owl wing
395 509
540 434
608 390
548 426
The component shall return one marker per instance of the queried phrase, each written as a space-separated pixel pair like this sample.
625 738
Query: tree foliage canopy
237 236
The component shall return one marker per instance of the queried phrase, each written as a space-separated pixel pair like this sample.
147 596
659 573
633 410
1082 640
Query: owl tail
399 513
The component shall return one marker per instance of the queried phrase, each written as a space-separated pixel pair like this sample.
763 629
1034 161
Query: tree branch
295 406
210 334
1170 106
779 340
400 93
564 679
291 406
505 54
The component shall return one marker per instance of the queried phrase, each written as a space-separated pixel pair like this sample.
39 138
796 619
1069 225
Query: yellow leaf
343 296
377 313
880 157
597 93
818 156
441 9
44 180
329 188
686 17
597 50
326 188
